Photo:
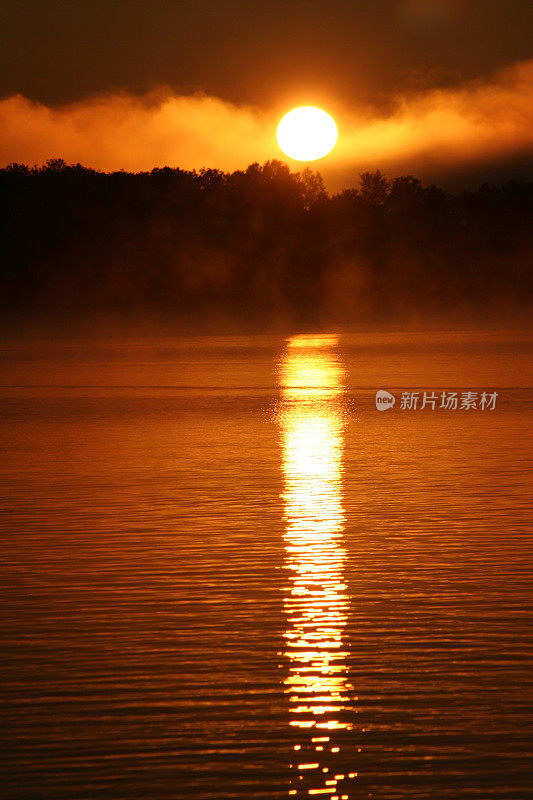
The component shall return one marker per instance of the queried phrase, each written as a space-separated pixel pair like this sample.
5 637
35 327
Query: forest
259 246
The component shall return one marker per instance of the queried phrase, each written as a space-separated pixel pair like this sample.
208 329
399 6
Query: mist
260 248
436 134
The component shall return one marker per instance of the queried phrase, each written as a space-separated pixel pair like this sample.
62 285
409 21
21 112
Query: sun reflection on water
316 602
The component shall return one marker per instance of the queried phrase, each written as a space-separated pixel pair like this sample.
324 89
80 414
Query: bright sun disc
307 133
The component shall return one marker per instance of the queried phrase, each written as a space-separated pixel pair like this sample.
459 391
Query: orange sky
442 128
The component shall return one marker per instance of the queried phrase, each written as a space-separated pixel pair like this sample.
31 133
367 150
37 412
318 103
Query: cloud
479 121
121 131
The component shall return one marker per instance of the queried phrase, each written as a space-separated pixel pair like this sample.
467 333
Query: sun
307 133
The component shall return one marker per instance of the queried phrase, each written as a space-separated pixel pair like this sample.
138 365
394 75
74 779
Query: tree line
258 245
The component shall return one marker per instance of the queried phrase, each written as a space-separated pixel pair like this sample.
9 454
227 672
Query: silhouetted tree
256 244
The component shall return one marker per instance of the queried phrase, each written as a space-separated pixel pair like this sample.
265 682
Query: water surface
227 575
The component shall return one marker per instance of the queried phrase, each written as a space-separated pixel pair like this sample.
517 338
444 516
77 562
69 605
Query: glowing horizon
469 124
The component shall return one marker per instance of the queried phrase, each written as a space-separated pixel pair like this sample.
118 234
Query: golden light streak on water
317 601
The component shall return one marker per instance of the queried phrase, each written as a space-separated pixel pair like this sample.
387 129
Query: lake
226 574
